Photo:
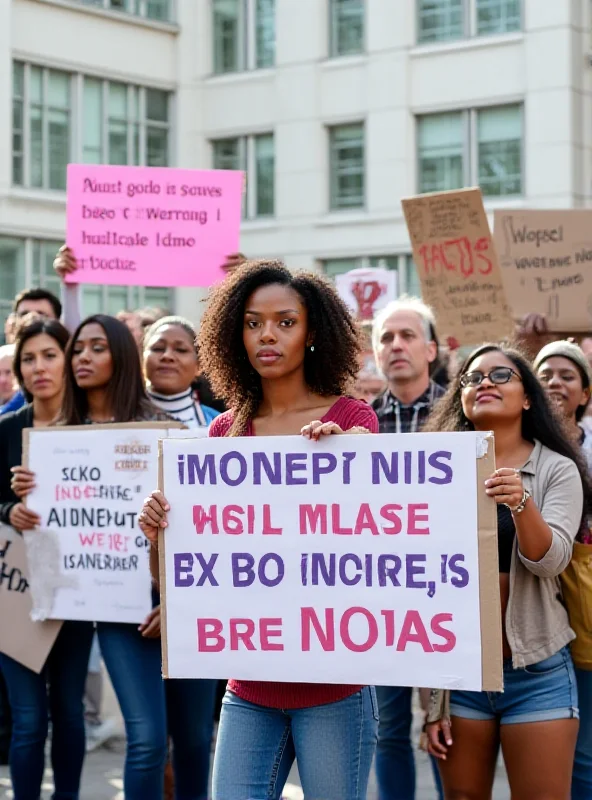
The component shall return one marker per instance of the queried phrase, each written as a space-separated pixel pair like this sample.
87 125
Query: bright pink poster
152 226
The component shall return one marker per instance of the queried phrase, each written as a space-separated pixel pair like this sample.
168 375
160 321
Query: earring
312 348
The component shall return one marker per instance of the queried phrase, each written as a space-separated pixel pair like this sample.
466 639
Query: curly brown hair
328 370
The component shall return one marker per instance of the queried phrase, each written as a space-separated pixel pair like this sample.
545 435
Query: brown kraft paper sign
457 265
546 263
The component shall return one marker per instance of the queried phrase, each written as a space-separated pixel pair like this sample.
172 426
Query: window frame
247 162
247 51
333 17
470 146
136 8
334 207
470 16
45 108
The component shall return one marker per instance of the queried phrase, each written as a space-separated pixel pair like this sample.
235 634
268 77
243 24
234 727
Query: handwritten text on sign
337 561
152 226
89 559
546 261
457 265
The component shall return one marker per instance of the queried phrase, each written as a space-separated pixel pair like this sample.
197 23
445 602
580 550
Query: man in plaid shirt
403 338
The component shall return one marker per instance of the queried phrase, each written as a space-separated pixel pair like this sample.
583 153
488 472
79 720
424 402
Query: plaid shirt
394 417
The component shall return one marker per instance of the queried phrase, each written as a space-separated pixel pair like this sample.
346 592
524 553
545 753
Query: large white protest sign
89 560
357 559
366 291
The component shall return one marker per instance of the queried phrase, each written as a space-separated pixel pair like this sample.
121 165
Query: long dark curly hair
328 370
538 422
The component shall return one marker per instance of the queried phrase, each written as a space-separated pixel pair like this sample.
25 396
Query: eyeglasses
497 375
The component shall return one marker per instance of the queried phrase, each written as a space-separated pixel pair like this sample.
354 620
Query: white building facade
335 108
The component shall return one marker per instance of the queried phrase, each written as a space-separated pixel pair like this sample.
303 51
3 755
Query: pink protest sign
152 226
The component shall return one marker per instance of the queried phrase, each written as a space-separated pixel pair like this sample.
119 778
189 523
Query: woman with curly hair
282 350
539 486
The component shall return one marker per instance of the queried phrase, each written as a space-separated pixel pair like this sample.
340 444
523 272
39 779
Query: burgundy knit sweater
347 413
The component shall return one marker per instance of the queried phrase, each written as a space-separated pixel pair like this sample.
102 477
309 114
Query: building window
446 20
160 10
12 274
18 122
499 150
119 124
41 120
125 124
244 35
479 146
440 148
255 155
346 143
498 16
112 299
440 20
347 27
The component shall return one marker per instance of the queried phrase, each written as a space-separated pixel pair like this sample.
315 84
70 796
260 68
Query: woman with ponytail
282 350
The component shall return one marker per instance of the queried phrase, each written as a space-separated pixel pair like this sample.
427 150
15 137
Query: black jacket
11 454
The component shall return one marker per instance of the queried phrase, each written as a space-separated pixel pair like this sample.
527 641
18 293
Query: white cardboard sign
89 559
355 560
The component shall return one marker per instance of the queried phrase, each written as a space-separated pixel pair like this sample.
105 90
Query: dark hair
38 294
126 394
538 422
28 330
329 370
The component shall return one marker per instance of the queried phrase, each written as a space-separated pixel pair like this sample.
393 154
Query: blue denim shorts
537 693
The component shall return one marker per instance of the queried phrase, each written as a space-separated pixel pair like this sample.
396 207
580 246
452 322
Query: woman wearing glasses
539 487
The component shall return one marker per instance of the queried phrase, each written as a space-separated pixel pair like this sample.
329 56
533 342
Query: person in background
564 370
541 490
43 304
10 328
283 350
57 691
403 338
171 366
8 385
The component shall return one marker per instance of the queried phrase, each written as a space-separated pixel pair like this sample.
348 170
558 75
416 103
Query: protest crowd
278 353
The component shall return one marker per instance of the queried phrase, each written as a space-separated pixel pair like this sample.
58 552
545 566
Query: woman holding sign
104 384
39 365
539 487
282 350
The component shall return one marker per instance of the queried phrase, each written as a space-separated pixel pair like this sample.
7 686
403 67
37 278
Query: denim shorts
537 693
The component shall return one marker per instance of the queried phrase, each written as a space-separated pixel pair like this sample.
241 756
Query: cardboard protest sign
367 290
546 261
457 265
331 562
25 641
89 560
152 226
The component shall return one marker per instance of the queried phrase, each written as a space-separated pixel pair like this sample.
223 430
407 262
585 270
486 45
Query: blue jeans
395 764
581 786
332 743
540 692
146 702
190 711
31 706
